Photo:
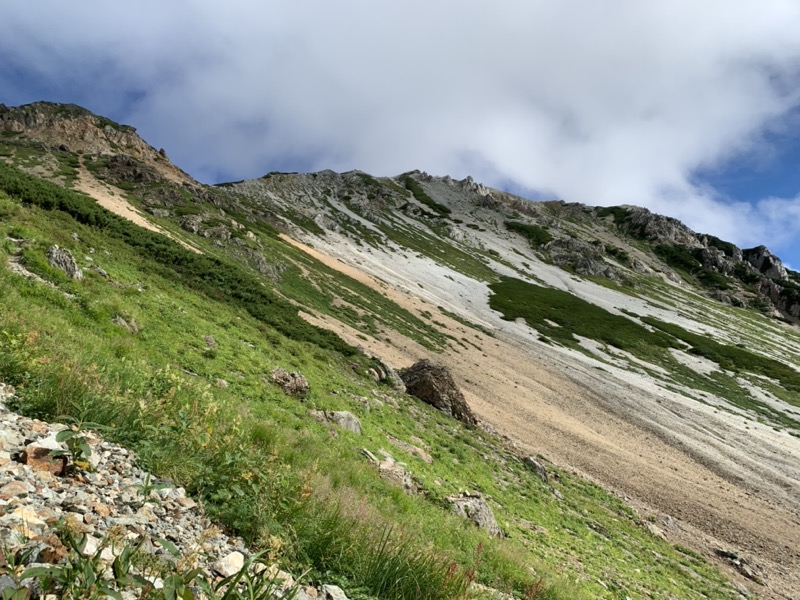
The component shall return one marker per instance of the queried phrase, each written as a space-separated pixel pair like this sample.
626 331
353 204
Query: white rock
334 592
230 565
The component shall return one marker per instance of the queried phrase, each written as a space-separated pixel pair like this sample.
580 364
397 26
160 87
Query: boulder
434 385
333 592
230 564
474 507
61 258
344 419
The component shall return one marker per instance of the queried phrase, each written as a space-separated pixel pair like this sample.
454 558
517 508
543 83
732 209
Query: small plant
13 568
78 450
149 486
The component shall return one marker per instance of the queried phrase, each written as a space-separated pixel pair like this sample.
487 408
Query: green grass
569 316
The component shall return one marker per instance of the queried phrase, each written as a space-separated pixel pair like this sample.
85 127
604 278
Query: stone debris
115 500
292 383
740 564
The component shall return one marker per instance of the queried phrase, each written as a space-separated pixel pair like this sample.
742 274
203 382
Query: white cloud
603 103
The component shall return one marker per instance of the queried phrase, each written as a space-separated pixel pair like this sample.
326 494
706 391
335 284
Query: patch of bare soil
113 200
706 479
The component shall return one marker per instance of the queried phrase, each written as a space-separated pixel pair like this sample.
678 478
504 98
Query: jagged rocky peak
769 265
660 229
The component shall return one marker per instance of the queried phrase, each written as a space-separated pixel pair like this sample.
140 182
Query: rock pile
109 500
292 383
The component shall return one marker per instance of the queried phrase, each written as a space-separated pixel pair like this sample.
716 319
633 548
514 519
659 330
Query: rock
292 383
396 474
434 385
40 458
61 258
585 258
16 489
474 507
369 456
411 449
740 564
769 265
558 495
536 467
131 326
389 376
333 592
230 564
345 419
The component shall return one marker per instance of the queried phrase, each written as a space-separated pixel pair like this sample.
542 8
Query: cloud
603 103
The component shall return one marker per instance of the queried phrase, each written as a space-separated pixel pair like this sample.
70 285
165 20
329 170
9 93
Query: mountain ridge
439 247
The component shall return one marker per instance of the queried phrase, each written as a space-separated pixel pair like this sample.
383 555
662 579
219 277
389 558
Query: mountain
650 371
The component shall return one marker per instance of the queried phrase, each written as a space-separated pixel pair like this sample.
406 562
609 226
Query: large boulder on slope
434 385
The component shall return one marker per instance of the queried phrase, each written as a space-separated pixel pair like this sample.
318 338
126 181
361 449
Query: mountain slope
612 356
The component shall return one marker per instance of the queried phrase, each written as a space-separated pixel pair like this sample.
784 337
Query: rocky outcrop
581 256
62 259
474 507
766 263
643 224
434 385
70 128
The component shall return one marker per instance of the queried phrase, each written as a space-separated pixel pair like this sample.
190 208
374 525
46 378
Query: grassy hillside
128 348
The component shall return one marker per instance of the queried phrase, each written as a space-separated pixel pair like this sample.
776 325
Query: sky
691 109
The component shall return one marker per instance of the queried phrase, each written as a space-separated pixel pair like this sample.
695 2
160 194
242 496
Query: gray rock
434 385
474 507
345 419
395 473
536 467
61 258
769 265
333 592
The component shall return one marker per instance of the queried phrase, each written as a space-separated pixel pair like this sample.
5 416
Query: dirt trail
639 443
